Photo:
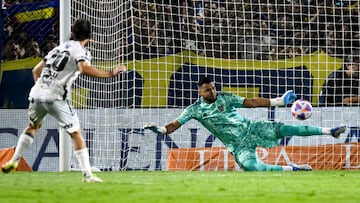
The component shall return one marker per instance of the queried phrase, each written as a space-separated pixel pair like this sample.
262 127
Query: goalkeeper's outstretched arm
287 98
172 126
167 129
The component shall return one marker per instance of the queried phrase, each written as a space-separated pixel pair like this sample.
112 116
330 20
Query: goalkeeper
217 112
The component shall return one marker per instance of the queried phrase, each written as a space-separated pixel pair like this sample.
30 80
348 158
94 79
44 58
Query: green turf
279 187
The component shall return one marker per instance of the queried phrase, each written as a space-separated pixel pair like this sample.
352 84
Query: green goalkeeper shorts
260 134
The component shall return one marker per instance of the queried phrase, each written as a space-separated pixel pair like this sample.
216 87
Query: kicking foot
9 166
302 167
335 132
92 179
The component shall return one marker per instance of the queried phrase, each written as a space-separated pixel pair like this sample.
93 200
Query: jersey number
59 60
54 64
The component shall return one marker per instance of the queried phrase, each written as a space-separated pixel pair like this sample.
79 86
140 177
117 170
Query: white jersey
59 72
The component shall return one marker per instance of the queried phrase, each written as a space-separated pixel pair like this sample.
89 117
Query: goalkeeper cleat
302 167
9 166
336 132
92 179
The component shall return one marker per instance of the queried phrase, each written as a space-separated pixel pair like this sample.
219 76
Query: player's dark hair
204 80
81 30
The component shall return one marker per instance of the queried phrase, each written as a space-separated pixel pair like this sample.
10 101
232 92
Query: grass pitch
220 187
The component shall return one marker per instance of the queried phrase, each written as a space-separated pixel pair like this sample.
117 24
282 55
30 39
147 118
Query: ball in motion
301 109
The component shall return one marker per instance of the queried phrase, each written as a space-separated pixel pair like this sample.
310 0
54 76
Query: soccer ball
301 109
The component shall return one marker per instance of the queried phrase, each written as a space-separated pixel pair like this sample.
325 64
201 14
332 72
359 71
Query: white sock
326 131
23 144
287 168
82 156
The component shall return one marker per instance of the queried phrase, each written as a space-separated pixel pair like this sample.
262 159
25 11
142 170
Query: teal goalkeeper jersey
220 118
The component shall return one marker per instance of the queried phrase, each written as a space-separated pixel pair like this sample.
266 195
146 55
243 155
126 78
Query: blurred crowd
232 29
19 41
247 29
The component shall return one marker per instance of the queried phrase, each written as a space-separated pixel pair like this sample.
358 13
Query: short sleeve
83 55
186 115
235 100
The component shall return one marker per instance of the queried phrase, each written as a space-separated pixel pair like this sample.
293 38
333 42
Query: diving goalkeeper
217 112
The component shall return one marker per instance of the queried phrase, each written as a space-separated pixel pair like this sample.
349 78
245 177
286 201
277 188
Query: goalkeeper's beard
210 99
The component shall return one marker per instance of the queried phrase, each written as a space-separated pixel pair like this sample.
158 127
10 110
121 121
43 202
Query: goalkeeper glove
155 129
287 98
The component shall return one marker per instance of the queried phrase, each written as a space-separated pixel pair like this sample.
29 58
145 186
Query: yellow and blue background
171 81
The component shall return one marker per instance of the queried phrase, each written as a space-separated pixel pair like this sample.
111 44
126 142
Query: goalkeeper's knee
249 165
252 165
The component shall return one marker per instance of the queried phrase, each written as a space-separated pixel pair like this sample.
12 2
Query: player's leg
68 119
301 130
253 165
82 155
262 134
248 160
24 142
36 114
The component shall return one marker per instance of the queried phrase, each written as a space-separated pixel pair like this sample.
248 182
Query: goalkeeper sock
287 168
82 156
326 131
300 130
23 143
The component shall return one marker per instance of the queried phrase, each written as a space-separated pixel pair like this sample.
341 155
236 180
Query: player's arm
167 129
36 71
287 98
256 102
87 69
351 100
171 127
185 116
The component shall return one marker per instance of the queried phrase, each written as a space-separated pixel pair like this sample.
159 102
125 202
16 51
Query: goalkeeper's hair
81 30
204 80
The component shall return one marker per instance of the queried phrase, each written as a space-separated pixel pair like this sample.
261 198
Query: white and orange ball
301 109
